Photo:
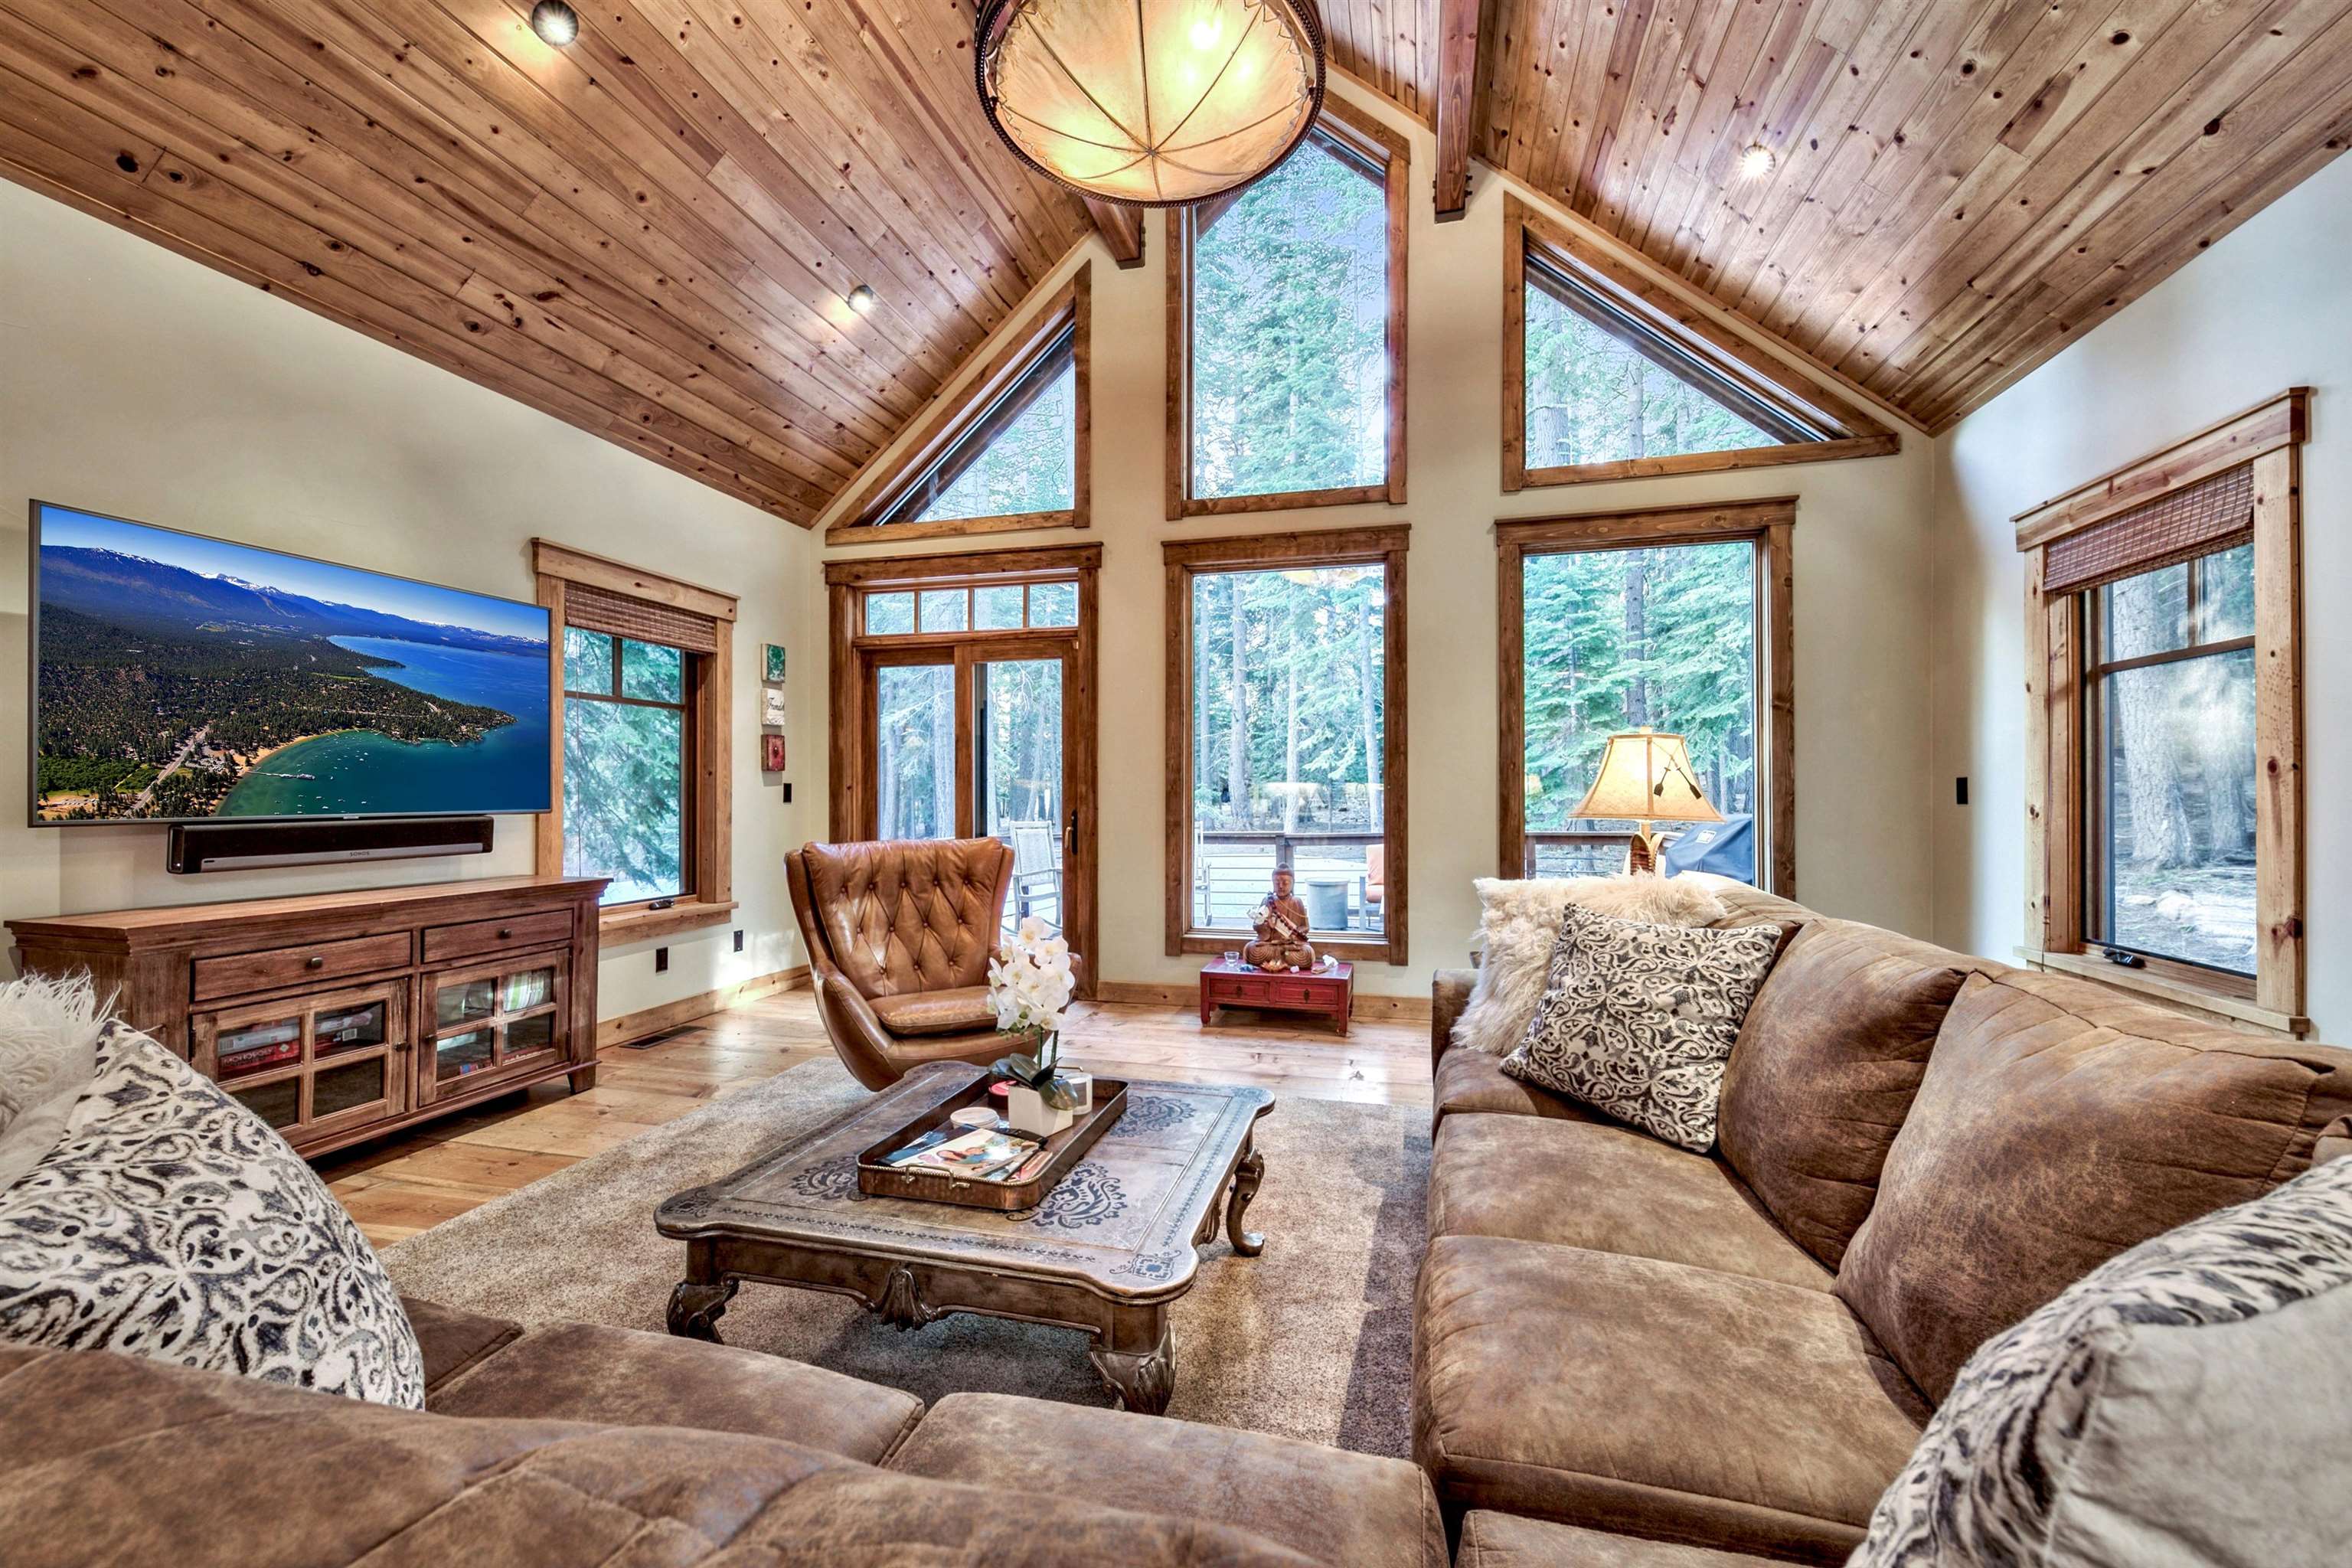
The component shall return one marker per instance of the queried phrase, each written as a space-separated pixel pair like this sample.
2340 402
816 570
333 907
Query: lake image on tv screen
182 677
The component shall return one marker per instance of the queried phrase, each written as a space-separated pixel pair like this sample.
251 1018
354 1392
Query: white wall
138 383
2267 308
1861 604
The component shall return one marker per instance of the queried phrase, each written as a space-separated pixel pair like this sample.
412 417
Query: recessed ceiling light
861 299
1756 160
554 22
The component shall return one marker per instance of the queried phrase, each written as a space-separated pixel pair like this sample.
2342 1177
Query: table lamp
1646 776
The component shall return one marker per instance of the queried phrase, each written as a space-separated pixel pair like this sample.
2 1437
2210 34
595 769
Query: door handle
1070 835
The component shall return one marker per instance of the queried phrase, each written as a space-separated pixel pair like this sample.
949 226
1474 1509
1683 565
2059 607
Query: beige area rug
1311 1339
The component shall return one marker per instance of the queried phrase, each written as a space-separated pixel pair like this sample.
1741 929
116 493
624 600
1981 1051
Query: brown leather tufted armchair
899 935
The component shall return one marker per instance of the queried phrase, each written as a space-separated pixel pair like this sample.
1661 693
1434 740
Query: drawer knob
314 962
505 931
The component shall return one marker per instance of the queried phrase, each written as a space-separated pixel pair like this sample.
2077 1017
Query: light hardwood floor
403 1184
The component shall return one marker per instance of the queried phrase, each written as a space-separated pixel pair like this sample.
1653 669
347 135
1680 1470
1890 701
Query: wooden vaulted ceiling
1960 188
652 233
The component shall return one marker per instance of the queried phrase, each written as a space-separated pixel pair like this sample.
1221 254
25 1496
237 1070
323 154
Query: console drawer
238 974
484 939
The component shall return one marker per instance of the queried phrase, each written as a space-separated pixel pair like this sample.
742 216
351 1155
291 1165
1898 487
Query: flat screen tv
180 678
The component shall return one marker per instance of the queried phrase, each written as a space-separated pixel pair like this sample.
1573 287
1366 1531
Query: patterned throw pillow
169 1222
1638 1020
2187 1401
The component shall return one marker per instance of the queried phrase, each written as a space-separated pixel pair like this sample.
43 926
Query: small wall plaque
772 663
771 753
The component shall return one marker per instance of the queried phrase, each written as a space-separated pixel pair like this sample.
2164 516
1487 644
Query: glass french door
970 741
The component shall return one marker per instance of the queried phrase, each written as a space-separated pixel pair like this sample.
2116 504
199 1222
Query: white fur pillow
1521 921
49 1052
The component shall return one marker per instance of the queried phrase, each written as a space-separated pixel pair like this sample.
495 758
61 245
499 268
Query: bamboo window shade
2214 513
595 609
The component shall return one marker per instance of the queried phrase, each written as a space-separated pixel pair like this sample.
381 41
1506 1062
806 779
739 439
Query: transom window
1669 619
1284 659
1007 449
1609 375
1287 311
1047 603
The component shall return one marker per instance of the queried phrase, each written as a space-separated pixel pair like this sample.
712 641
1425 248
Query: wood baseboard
1143 993
629 1027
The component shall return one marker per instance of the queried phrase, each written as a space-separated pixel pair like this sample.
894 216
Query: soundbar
246 846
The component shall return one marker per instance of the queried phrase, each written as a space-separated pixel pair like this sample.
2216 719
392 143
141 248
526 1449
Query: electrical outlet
739 942
661 960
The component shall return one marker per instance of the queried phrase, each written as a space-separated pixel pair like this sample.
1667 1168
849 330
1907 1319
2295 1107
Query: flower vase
1027 1110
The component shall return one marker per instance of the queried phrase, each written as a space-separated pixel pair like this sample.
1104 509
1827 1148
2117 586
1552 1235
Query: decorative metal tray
877 1180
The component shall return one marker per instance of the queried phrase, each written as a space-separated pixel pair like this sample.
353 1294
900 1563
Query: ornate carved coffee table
1106 1253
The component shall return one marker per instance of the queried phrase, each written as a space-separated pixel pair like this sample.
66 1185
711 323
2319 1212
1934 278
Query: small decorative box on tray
1036 1164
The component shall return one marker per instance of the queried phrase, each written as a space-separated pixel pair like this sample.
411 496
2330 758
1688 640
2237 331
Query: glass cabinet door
311 1066
492 1024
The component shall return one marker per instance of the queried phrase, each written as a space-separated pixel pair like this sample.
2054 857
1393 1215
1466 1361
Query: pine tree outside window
1286 331
1609 375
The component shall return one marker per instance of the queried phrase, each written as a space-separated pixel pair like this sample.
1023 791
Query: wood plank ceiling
1959 188
652 233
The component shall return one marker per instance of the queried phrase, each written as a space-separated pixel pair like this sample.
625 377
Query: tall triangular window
1618 378
1007 450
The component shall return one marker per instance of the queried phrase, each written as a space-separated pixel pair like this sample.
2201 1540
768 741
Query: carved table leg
1142 1379
1246 1176
694 1307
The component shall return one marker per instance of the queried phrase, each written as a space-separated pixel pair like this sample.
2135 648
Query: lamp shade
1153 103
1646 776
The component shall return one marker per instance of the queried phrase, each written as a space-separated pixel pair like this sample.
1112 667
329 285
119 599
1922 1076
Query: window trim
1769 525
1068 310
1384 546
849 646
2268 438
1652 307
1367 138
709 812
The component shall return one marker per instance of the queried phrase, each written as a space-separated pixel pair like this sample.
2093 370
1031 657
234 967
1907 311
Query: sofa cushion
1824 1073
1492 1540
1638 1020
452 1340
1519 924
1653 1398
114 1460
952 1012
626 1377
1473 1081
2184 1402
171 1222
1611 1189
1344 1509
2059 1123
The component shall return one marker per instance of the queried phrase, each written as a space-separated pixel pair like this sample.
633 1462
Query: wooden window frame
1368 138
1069 309
1384 546
709 777
1648 302
1769 526
2268 438
848 646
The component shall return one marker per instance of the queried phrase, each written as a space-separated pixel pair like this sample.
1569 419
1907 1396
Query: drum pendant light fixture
1152 103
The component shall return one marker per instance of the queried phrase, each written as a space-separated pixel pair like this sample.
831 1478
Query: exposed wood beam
1461 27
1122 231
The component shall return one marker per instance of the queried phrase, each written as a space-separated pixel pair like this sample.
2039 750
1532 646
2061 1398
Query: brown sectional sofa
583 1445
1656 1359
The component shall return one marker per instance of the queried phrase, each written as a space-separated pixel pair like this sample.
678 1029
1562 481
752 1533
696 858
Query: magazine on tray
984 1154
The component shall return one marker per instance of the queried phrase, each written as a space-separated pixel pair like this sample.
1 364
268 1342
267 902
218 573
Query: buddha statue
1281 926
